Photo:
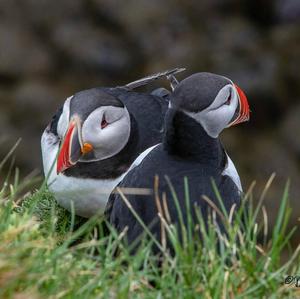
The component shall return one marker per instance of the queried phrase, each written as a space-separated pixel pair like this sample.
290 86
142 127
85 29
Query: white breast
89 196
141 157
231 171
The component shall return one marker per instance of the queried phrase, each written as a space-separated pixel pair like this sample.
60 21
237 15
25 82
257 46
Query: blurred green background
51 49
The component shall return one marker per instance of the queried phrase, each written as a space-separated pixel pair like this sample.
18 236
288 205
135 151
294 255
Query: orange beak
244 110
72 148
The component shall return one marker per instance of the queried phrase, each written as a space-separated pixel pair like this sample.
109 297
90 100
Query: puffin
201 107
93 140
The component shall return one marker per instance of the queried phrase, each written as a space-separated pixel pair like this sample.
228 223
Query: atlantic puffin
95 137
201 106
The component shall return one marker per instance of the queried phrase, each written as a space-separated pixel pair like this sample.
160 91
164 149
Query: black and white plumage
93 140
202 105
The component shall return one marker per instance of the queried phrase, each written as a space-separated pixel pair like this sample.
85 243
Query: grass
46 252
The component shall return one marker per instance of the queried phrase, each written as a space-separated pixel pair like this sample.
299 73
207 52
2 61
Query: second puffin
202 105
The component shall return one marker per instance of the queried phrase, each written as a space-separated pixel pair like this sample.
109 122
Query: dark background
51 49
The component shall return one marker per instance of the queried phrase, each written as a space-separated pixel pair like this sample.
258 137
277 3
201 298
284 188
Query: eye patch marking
104 123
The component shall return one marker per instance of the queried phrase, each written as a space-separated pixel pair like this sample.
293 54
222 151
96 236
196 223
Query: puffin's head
213 101
94 126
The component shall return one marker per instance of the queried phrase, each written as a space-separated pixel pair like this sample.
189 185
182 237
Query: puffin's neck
186 138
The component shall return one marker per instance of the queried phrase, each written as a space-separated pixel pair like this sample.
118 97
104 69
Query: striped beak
72 147
243 111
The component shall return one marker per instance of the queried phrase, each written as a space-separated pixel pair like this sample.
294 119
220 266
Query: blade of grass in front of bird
188 210
141 222
219 198
178 208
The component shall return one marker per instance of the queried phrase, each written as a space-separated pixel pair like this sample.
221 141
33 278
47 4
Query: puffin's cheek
91 134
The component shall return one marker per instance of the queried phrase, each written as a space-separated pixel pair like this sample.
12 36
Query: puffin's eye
104 123
228 99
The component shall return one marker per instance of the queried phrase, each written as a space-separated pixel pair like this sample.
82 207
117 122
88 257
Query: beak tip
60 168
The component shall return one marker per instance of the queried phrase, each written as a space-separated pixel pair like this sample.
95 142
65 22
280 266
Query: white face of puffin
103 134
63 122
230 107
107 130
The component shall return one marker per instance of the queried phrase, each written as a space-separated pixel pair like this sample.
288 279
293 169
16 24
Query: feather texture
148 79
